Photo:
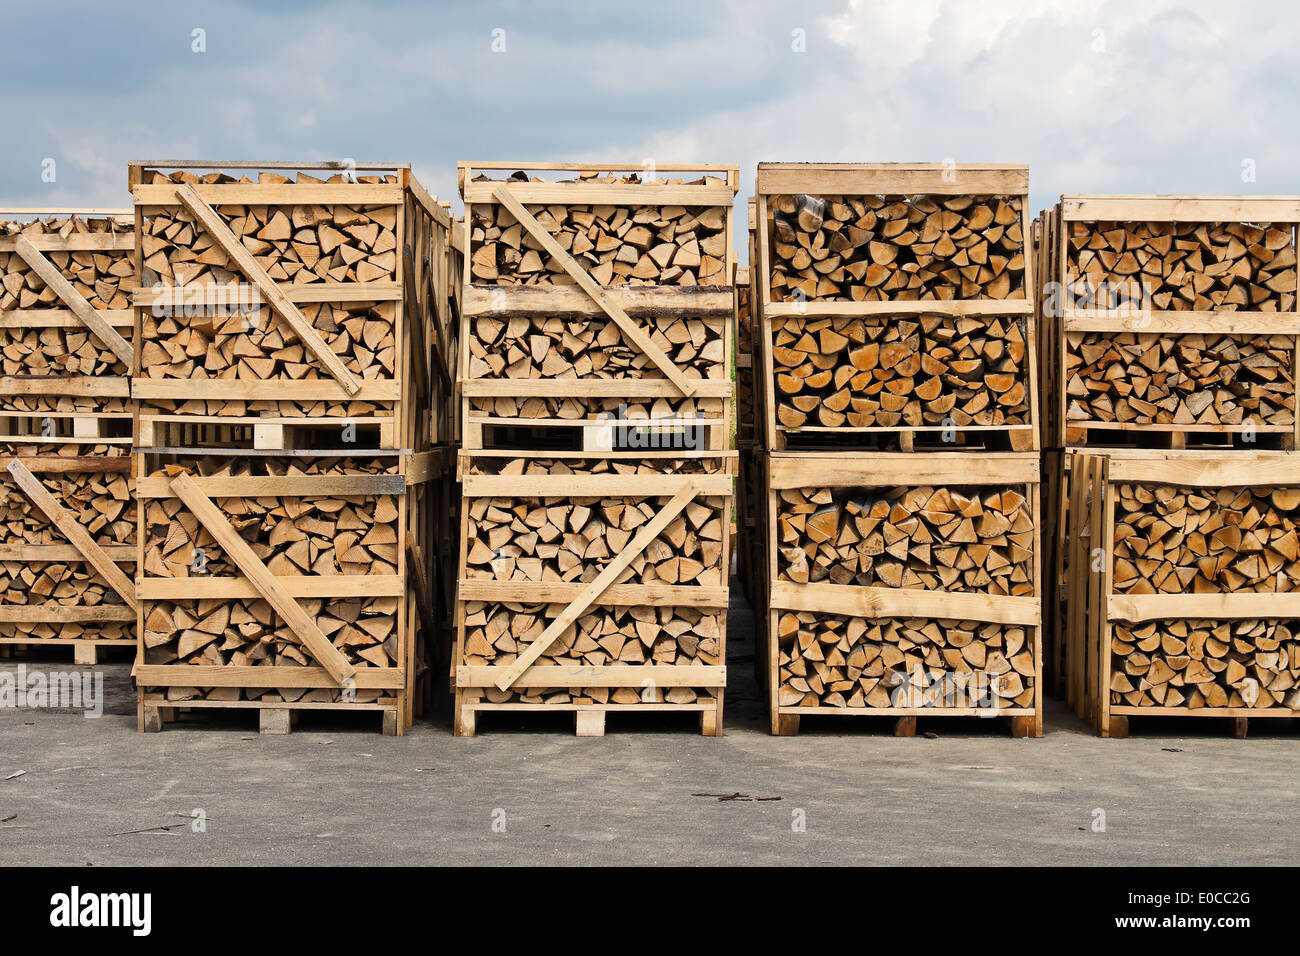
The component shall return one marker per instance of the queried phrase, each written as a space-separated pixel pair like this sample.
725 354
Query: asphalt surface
78 791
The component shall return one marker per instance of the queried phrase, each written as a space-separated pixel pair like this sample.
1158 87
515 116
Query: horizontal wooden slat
617 595
1129 711
22 551
595 194
1240 469
164 297
591 388
915 711
219 165
566 300
216 675
77 242
879 470
308 586
323 389
633 486
610 675
892 179
943 307
1152 607
346 194
269 486
905 602
61 318
1186 323
1181 208
63 614
86 386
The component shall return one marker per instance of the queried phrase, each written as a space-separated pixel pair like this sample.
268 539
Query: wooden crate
67 548
640 618
1196 352
278 585
66 281
563 335
929 600
1130 613
275 310
893 346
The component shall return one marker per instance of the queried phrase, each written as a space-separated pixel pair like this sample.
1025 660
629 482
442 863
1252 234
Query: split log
939 539
880 248
929 371
1145 378
618 244
1196 664
827 660
1182 266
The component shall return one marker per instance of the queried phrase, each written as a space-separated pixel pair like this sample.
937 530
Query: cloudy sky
1164 96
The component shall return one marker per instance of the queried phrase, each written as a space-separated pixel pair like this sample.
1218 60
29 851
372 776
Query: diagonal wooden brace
216 227
592 591
260 577
74 300
67 523
631 331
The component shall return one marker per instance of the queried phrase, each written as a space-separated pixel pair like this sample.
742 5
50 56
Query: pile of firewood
861 372
104 279
496 633
346 534
1184 266
628 410
878 248
827 660
1140 378
1193 663
295 244
538 347
939 539
1171 540
592 466
618 245
571 539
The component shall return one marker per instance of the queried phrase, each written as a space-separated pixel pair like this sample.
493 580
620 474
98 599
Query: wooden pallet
504 590
233 581
87 652
812 610
154 712
49 533
530 336
1074 320
55 264
366 339
830 332
1102 615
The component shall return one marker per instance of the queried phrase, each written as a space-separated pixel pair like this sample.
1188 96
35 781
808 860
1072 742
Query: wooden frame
472 682
254 581
95 396
790 470
112 564
1094 609
1059 431
628 307
418 293
889 179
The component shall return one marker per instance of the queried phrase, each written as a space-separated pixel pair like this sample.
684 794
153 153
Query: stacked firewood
618 245
938 539
861 372
746 410
593 466
877 248
628 411
496 634
103 504
572 539
104 279
828 660
331 535
1251 662
1140 378
295 244
1184 266
540 347
1171 540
